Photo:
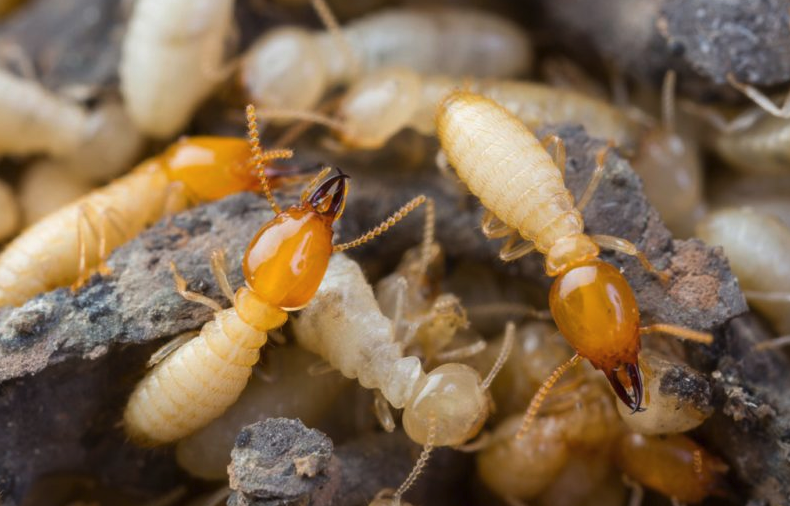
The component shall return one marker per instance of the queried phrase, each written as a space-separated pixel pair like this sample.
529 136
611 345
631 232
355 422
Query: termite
45 188
344 325
767 194
10 216
756 245
283 266
522 189
66 246
172 58
206 453
670 166
293 68
424 319
675 466
387 101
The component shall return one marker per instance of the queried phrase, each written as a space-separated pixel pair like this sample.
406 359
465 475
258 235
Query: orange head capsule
597 312
286 260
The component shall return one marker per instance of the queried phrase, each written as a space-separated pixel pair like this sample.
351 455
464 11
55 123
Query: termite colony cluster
526 339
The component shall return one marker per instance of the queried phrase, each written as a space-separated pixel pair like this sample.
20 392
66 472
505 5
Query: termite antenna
260 158
330 22
772 344
668 90
304 115
428 236
385 225
679 332
504 353
760 99
395 499
543 391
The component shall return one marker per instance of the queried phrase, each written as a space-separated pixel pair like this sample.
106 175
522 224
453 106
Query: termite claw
635 402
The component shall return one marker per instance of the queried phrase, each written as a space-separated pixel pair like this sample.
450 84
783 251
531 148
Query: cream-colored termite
172 59
670 166
667 412
97 144
767 194
45 187
10 215
344 325
206 453
389 100
293 68
756 245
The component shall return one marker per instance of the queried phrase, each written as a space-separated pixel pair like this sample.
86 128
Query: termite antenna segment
504 353
542 392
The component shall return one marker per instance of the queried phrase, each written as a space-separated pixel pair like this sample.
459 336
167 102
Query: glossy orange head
286 260
596 311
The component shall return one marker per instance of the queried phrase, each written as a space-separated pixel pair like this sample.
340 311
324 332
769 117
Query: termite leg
464 352
383 413
772 344
339 38
543 391
629 248
111 220
385 225
595 178
219 269
767 296
760 99
558 155
493 227
170 347
515 248
677 331
86 224
509 309
181 288
716 120
668 101
319 368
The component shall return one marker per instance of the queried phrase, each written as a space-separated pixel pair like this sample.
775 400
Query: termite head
286 260
378 106
569 251
597 312
210 168
284 69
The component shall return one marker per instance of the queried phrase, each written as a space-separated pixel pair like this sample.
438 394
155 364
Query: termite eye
329 198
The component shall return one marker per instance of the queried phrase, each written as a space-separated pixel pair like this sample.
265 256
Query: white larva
293 68
172 58
756 245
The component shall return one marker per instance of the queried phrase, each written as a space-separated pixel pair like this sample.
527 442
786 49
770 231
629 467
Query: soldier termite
172 58
503 164
293 68
756 245
65 246
283 267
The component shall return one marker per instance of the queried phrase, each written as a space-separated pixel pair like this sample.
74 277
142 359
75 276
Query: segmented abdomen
196 383
763 148
506 167
344 325
46 255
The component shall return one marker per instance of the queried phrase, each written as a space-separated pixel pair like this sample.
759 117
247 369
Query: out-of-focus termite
283 267
293 68
671 168
172 58
10 216
756 245
767 194
522 188
675 466
45 187
381 104
65 246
